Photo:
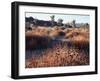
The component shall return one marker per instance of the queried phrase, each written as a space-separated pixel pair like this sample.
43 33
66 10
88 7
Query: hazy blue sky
66 17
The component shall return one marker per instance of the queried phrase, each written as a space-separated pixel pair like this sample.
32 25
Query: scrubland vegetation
57 46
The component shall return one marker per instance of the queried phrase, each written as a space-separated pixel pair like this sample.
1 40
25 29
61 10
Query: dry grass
59 55
79 37
74 51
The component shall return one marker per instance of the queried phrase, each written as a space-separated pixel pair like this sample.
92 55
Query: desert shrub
61 33
37 42
54 33
39 31
79 38
80 42
67 30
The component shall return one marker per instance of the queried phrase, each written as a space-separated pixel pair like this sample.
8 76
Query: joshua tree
59 22
35 22
52 20
86 25
52 17
73 23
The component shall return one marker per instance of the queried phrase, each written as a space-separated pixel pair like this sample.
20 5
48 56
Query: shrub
37 42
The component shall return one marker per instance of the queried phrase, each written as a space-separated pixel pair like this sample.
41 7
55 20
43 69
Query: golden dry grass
79 37
60 54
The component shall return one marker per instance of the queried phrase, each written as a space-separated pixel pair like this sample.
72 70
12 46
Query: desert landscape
56 45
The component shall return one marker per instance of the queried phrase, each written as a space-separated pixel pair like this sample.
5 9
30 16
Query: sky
66 17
